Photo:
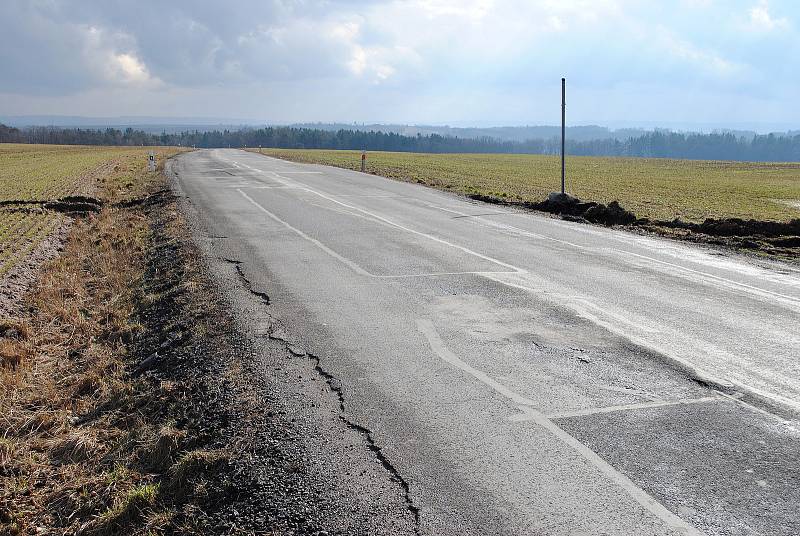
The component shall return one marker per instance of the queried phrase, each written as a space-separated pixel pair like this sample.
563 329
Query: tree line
658 144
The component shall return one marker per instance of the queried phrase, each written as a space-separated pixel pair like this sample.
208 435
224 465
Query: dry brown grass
66 363
77 452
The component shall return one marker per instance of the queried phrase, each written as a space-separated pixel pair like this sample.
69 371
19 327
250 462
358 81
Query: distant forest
659 144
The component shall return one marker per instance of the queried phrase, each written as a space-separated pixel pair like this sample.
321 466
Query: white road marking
793 302
251 187
367 195
788 300
742 286
396 225
504 226
578 304
790 425
527 406
628 407
355 267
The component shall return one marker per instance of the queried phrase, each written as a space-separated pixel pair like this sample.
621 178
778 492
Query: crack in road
246 282
278 333
366 433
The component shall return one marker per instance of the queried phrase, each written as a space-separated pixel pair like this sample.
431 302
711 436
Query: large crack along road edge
334 384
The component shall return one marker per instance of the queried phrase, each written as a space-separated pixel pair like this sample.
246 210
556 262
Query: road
526 375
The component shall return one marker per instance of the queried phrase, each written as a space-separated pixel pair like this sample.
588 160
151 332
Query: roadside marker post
363 161
151 161
563 132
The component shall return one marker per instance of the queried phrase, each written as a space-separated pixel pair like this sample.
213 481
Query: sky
730 63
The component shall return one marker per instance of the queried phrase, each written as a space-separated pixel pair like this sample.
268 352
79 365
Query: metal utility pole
563 131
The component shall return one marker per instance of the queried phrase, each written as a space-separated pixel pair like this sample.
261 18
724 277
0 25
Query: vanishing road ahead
526 375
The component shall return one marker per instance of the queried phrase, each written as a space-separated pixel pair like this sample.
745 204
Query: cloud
410 60
762 20
704 61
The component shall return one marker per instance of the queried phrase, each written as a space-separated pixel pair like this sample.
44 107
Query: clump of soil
571 208
740 227
772 238
75 204
565 204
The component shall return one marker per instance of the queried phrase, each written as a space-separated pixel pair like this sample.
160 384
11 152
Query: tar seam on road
527 406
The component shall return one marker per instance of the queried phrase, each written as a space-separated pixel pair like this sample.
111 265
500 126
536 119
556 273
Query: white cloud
128 69
469 9
445 58
704 60
762 20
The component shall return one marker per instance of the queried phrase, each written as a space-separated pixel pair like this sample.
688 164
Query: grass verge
700 201
91 441
654 188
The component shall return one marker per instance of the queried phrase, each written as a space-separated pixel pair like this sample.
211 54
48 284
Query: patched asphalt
722 466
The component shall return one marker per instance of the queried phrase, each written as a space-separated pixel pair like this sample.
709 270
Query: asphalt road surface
526 375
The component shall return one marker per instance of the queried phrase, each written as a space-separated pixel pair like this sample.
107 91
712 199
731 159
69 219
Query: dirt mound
70 204
571 208
739 227
565 204
73 204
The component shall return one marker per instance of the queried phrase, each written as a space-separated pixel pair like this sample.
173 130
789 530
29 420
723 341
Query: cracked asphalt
510 373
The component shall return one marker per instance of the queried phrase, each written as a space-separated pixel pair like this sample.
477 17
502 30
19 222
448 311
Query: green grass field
651 187
46 172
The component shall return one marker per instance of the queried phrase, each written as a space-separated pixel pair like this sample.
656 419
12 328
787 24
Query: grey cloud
46 47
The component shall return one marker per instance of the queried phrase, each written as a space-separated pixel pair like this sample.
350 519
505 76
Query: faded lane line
355 267
618 318
504 226
754 290
435 274
763 293
640 405
639 495
413 231
699 372
730 282
391 223
368 195
251 187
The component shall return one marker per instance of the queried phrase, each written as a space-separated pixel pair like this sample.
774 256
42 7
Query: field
48 172
654 188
